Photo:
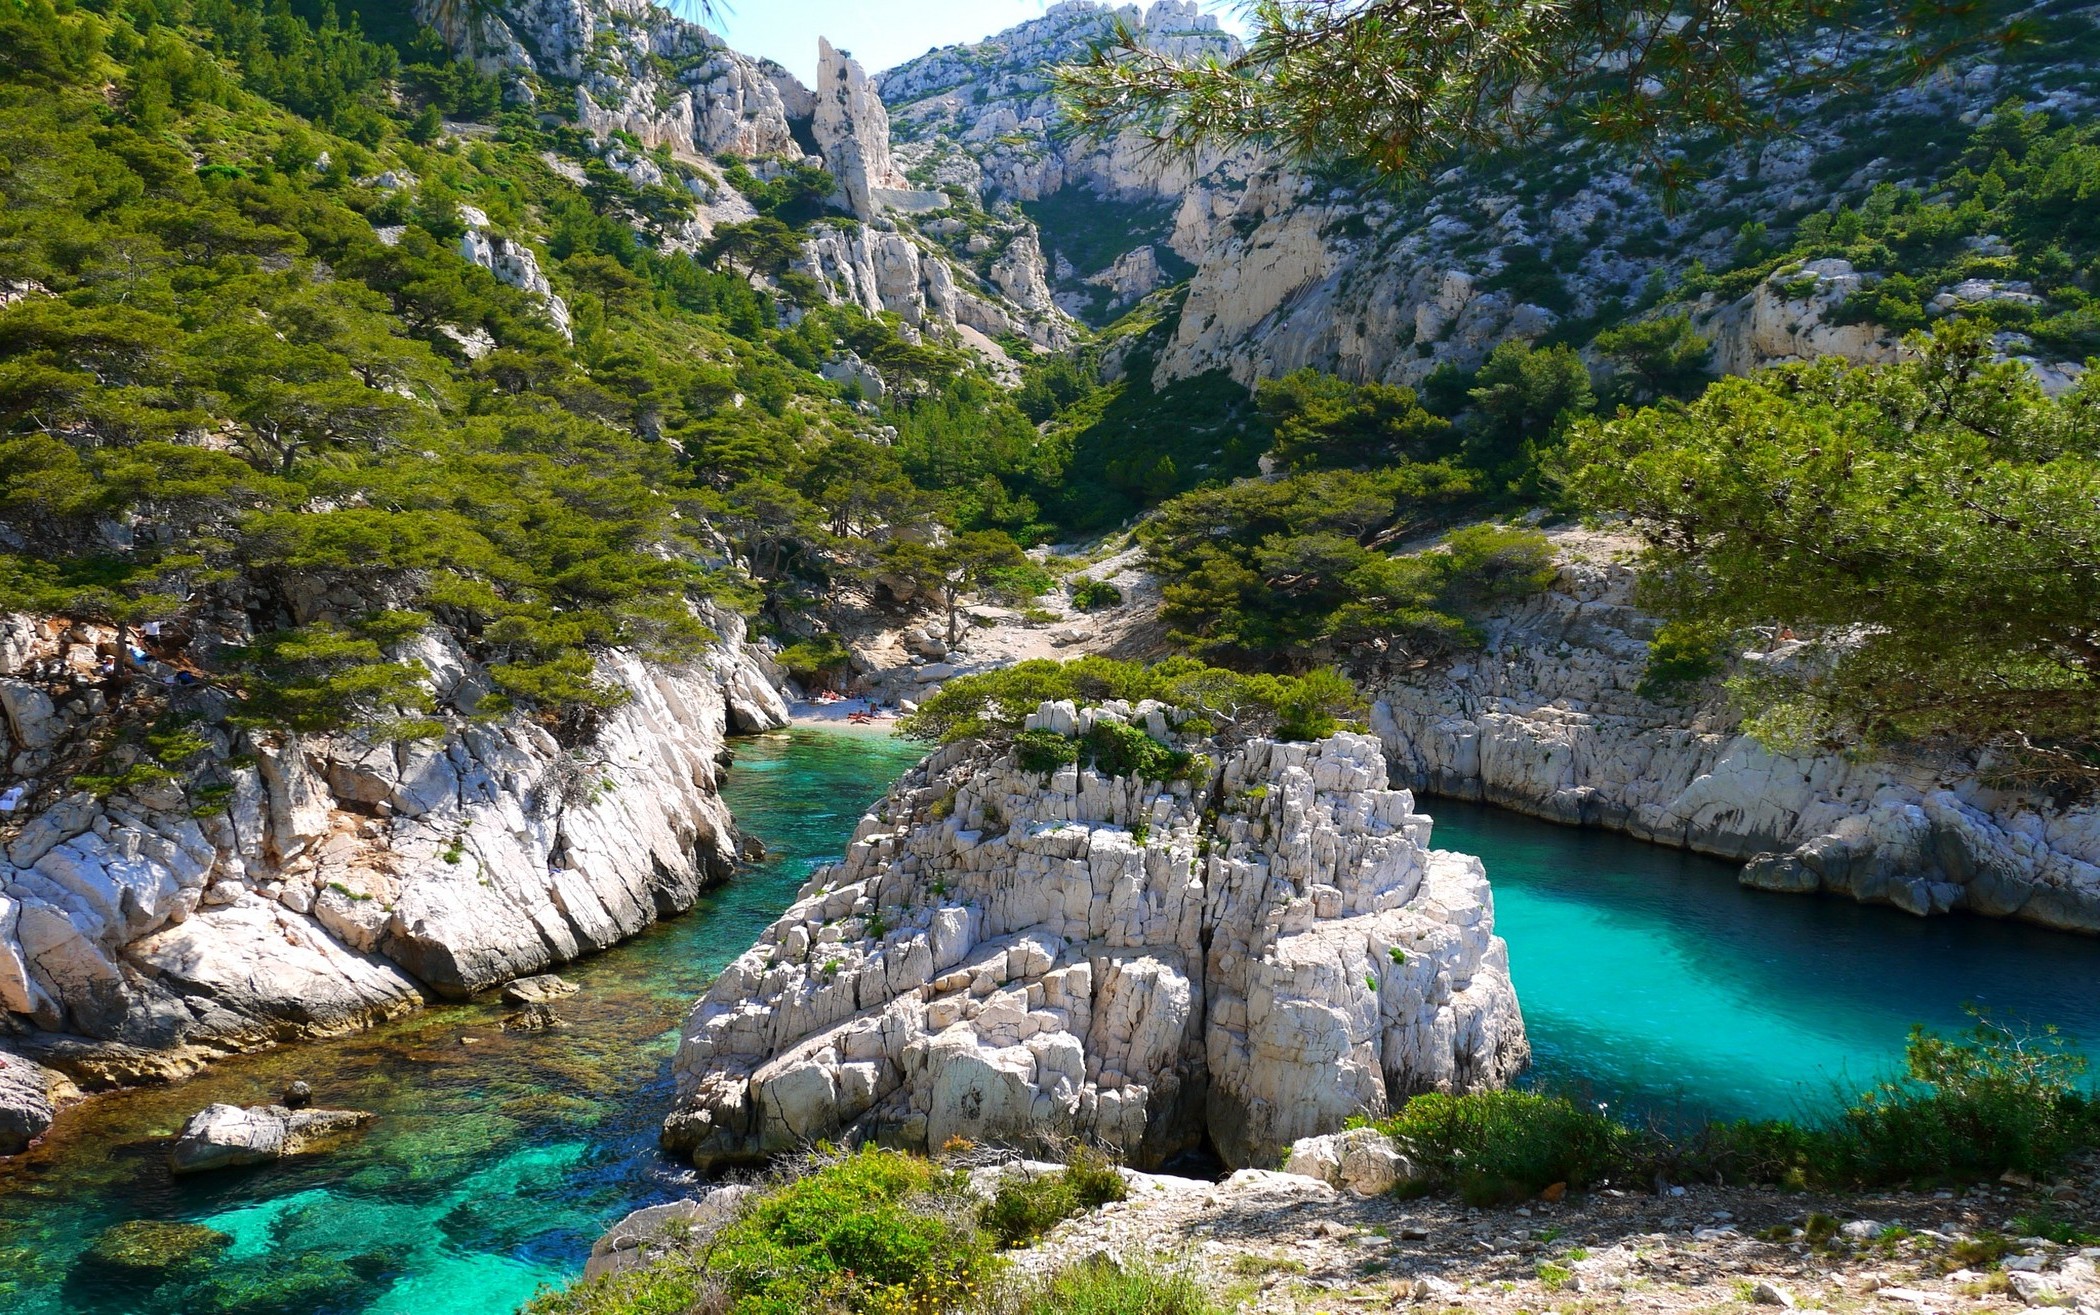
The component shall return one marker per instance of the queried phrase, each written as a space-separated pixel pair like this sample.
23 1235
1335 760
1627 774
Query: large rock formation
636 69
334 880
1016 958
1547 719
852 130
29 1099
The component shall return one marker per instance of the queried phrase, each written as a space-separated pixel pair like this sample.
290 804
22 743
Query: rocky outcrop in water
230 1137
29 1099
1016 958
1547 719
334 881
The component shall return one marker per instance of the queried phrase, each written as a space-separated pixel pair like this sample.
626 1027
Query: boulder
1363 1161
646 1236
541 990
148 1252
27 1099
228 1136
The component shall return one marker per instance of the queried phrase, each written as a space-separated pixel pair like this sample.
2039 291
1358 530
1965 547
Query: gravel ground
1275 1243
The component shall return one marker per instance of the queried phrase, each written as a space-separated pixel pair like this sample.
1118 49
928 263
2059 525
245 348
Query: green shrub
1498 1146
1044 751
994 705
1681 656
875 1231
1024 1209
815 659
1118 749
1091 595
1099 1286
1968 1107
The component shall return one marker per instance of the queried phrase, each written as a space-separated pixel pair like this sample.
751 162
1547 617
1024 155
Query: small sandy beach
838 716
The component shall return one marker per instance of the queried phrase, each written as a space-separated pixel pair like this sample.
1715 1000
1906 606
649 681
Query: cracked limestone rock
1007 957
343 879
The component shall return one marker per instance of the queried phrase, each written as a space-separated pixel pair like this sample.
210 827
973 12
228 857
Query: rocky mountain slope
1015 957
639 76
1385 283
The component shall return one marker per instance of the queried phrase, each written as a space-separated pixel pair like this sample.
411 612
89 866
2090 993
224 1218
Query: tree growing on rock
1663 358
1927 530
963 565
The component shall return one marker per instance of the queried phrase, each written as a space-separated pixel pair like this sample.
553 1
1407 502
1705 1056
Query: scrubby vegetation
882 1233
1230 705
1926 528
2010 228
1967 1108
1025 1208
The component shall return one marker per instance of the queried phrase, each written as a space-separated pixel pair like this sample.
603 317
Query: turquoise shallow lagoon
1648 979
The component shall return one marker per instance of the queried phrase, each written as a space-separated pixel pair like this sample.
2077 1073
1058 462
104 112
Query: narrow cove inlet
1648 980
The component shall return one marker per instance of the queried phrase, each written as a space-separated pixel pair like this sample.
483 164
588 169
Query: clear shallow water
496 1160
1647 978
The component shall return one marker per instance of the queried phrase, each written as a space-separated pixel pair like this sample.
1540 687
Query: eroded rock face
228 1136
647 1235
1547 720
1011 958
852 130
636 69
512 262
341 879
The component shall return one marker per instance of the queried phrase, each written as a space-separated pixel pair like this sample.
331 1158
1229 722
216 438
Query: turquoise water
496 1160
1648 978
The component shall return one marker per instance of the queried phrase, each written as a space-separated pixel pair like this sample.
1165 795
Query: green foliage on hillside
2015 209
246 372
1926 528
1321 422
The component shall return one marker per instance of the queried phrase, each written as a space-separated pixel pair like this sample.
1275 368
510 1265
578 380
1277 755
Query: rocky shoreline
1288 1245
1547 719
342 882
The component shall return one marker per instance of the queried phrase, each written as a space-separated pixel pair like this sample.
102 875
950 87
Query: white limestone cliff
1546 719
1009 957
340 880
852 130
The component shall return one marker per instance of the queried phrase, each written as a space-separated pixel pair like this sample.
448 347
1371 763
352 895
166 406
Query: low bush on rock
1091 595
1101 1287
1495 1146
877 1231
994 705
1026 1208
1970 1107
